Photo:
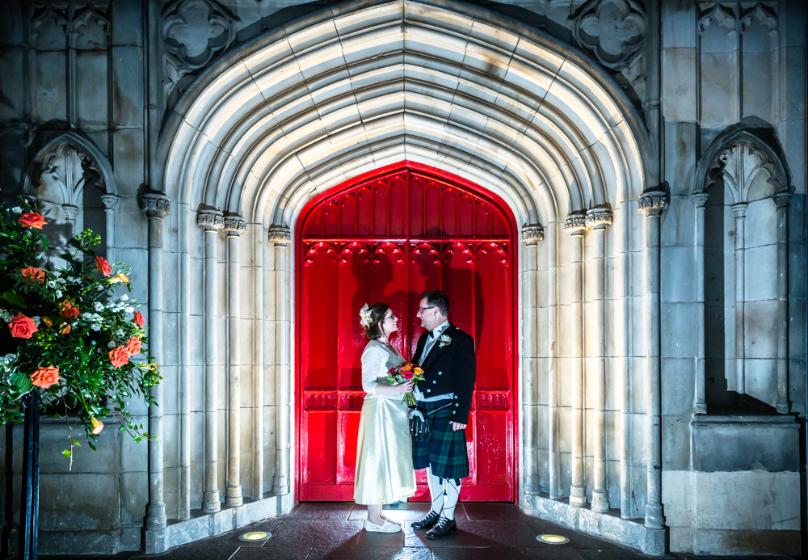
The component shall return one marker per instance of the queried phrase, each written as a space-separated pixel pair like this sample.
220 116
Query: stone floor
334 531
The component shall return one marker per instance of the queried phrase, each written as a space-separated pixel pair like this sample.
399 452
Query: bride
384 472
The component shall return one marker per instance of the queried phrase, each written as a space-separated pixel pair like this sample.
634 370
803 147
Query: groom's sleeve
465 373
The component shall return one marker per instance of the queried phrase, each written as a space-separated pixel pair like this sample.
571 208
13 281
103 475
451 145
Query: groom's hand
457 426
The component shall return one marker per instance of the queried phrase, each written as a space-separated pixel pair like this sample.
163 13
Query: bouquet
403 373
68 330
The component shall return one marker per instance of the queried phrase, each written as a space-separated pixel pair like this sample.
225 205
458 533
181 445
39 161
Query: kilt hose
444 450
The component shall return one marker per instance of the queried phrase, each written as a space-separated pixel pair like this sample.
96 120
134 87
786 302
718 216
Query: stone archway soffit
452 86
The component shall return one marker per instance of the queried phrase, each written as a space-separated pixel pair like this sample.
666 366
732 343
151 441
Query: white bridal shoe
386 527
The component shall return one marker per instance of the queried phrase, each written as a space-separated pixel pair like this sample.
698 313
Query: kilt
444 451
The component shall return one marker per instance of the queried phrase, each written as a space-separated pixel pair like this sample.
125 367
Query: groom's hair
438 299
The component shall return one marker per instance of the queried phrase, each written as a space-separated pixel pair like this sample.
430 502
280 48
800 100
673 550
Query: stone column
211 221
598 219
575 224
531 235
233 226
700 392
551 354
651 205
156 206
739 210
110 204
782 200
280 237
72 213
258 247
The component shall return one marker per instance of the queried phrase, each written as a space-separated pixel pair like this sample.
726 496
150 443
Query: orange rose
120 277
22 326
47 321
103 266
138 319
65 328
119 356
133 346
44 377
33 274
32 220
68 310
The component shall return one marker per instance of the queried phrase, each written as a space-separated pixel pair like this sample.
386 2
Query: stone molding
740 162
598 218
155 204
193 33
700 199
575 223
210 219
58 26
532 234
110 201
739 209
722 16
279 235
63 172
653 203
234 225
613 30
782 199
759 13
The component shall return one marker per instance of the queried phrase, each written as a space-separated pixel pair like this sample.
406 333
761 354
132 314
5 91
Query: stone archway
455 87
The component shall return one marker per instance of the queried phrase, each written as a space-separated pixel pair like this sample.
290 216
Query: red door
388 236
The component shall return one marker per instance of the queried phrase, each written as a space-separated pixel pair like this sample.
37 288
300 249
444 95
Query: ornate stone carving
739 209
700 199
532 234
90 28
210 219
234 225
759 14
49 27
740 165
719 15
155 204
575 223
110 201
598 218
782 199
613 30
279 235
194 31
653 203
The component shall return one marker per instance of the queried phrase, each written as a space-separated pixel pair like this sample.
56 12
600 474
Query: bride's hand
403 387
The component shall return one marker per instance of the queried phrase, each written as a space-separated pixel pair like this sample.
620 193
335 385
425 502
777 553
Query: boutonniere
444 340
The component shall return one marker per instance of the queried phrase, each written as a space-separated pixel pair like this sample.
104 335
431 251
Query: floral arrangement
403 373
68 332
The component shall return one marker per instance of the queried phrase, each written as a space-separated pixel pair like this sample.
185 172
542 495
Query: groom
447 356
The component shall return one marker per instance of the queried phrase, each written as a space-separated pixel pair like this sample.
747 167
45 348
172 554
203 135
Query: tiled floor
334 531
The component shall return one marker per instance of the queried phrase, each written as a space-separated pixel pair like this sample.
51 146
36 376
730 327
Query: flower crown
364 316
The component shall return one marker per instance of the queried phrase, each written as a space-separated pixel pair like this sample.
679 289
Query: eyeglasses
427 308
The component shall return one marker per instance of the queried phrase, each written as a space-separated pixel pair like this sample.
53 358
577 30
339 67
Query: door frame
298 328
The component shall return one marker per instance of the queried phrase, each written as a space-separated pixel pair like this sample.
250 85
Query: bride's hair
375 313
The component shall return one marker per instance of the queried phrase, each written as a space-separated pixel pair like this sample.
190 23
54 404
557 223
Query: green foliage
82 313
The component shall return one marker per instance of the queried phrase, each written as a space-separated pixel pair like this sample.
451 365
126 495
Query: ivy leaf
66 453
13 298
21 381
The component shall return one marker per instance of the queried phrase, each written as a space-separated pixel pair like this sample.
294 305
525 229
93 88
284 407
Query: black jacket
450 368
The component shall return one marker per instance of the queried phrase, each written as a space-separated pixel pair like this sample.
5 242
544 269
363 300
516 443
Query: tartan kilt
444 451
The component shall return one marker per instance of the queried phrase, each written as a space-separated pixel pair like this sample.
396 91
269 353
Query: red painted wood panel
388 236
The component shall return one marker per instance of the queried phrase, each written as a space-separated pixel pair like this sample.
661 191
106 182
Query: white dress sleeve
374 366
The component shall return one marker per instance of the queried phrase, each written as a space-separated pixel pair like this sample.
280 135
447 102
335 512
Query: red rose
103 266
32 220
138 319
407 374
118 356
33 274
68 310
133 346
44 377
22 326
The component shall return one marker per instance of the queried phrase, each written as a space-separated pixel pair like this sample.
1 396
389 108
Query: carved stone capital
653 203
575 223
279 235
782 199
234 225
71 212
532 234
598 218
739 209
700 199
110 201
155 204
210 219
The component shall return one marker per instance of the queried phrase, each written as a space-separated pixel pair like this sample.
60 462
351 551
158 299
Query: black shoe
443 527
428 521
